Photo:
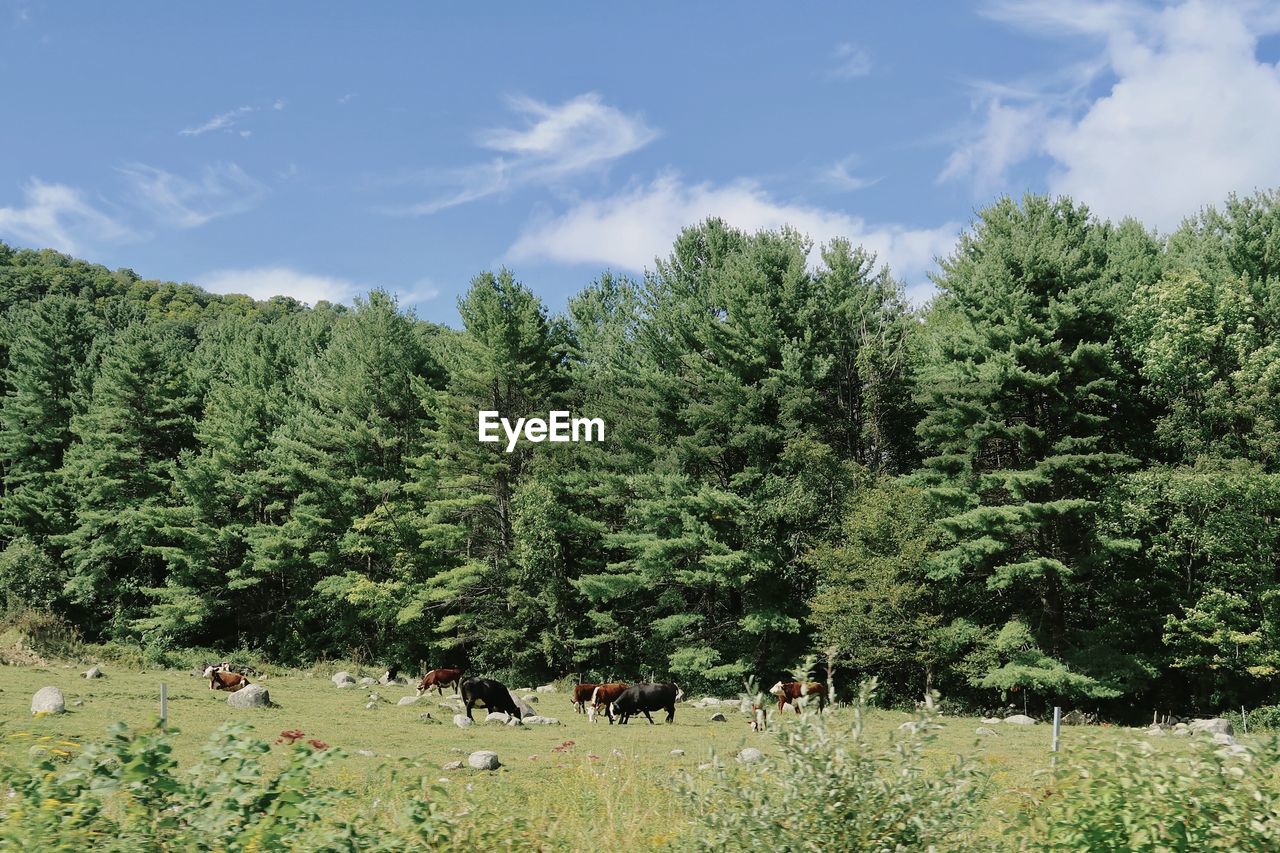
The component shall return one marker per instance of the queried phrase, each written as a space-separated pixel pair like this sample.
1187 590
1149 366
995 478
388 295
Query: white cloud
558 141
219 122
266 282
58 216
839 176
423 290
630 229
220 190
851 61
1191 114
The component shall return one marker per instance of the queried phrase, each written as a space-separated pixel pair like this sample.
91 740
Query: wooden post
1057 726
164 706
1244 718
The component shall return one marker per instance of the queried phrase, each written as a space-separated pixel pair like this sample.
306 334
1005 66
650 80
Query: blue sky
321 149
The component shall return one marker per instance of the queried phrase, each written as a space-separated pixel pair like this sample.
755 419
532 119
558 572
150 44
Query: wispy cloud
266 282
59 217
839 176
346 99
222 121
631 228
557 142
850 61
220 190
1187 96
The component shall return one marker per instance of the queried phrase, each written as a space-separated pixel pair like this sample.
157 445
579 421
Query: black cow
643 698
489 694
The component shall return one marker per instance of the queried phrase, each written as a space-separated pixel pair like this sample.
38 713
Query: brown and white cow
440 679
582 695
797 691
604 695
759 717
221 679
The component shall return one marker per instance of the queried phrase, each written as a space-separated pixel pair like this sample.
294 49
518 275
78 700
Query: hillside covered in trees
1060 478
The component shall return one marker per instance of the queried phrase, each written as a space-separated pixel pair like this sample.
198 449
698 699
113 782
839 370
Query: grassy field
565 783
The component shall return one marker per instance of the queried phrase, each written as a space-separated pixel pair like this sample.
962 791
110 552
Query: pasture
559 787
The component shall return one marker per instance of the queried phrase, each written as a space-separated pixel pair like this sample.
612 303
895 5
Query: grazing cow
220 679
794 691
440 679
603 697
643 698
759 717
488 694
581 695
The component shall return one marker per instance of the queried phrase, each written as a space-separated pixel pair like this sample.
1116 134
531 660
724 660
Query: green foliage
1129 796
837 788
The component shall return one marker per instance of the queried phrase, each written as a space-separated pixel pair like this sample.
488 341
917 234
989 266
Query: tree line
1058 479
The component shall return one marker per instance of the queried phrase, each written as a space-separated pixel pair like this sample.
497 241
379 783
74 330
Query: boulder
983 730
48 700
548 688
407 700
539 720
1021 720
515 721
450 706
497 717
341 678
1155 731
532 697
251 696
750 755
462 720
367 681
677 752
1213 726
990 720
484 760
719 718
1223 740
369 706
347 685
526 710
451 765
1182 730
92 672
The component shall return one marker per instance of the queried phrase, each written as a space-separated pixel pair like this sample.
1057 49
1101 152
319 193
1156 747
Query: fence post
164 706
1057 726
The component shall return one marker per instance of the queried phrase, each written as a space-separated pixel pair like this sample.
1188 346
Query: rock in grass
750 755
484 760
407 700
462 720
719 718
983 730
501 717
347 685
526 710
548 688
677 752
48 700
1213 726
452 765
92 672
367 681
251 696
1021 720
341 678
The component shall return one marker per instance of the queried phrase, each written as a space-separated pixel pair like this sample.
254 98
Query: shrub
833 788
1132 796
1262 719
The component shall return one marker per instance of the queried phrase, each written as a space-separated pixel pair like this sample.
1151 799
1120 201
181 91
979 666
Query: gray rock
515 721
677 752
539 720
462 721
450 706
455 750
92 672
497 717
983 730
1213 726
344 677
1223 740
77 703
532 697
369 706
367 753
750 755
1235 750
1021 720
427 718
407 700
548 688
484 760
1155 731
252 696
909 726
719 718
706 766
526 710
452 765
48 700
375 697
367 681
347 685
990 720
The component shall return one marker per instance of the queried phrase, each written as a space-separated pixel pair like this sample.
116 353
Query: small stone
719 718
367 753
341 678
407 700
548 688
532 697
677 752
462 720
484 760
1155 731
1020 720
983 730
1223 740
347 685
990 720
92 672
452 765
455 750
750 755
369 706
497 717
515 721
367 681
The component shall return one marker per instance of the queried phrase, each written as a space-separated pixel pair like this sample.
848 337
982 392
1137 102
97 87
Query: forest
1057 482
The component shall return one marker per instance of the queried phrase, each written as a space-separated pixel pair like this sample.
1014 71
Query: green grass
564 799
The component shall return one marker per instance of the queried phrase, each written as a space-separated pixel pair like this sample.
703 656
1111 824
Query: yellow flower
61 752
51 803
68 743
